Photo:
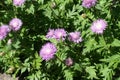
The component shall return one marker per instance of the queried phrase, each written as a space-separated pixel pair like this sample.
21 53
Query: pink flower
98 26
4 30
48 51
75 37
60 34
50 34
88 3
18 2
15 24
57 34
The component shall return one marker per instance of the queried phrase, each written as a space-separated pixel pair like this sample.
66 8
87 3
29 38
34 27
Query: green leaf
77 67
16 45
68 75
115 43
90 45
31 10
107 73
92 72
23 70
112 60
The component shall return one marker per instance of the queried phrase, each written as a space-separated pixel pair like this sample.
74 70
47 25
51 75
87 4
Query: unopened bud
53 5
10 70
2 53
84 15
9 41
69 62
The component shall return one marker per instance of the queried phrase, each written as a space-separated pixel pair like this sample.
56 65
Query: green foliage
92 72
97 57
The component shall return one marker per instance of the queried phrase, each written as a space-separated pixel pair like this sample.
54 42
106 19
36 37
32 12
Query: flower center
75 36
15 24
98 26
48 51
59 34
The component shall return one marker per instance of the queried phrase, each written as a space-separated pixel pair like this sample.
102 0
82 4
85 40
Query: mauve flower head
69 62
47 51
75 37
98 26
50 34
60 34
15 24
88 3
4 30
18 2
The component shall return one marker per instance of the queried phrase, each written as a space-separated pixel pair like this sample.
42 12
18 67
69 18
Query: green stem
105 44
59 59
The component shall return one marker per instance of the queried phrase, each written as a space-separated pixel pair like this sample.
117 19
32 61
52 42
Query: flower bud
9 41
83 15
10 70
69 62
53 5
2 53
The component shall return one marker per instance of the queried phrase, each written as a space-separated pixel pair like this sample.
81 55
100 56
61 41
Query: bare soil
6 77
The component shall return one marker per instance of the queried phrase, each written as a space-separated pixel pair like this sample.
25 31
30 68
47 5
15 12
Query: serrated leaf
68 75
107 73
31 9
23 70
92 72
77 67
115 43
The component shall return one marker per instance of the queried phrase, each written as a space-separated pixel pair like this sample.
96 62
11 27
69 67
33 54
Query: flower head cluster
47 51
18 2
57 34
69 61
61 34
75 37
4 30
98 26
88 3
15 24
